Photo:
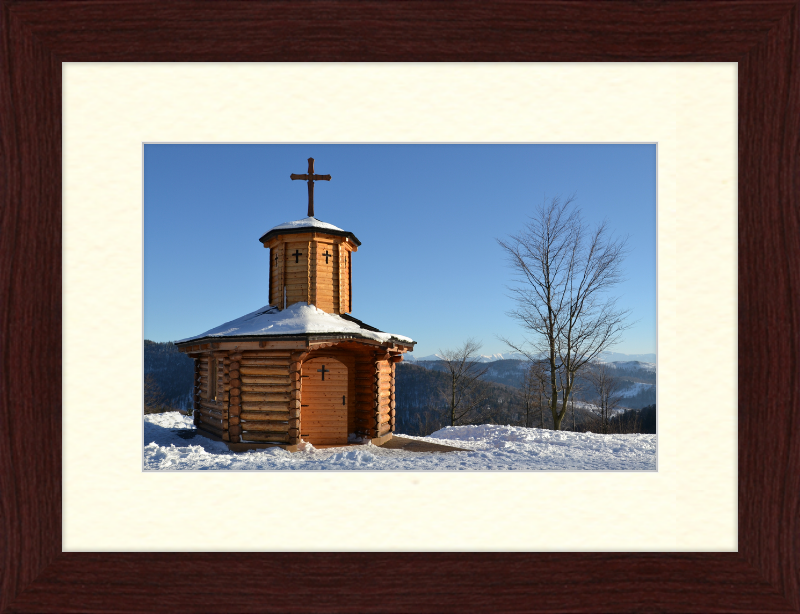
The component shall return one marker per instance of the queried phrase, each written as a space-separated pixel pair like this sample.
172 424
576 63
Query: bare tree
463 392
607 393
563 272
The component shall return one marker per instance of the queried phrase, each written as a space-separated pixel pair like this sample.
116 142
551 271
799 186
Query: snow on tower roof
304 225
297 319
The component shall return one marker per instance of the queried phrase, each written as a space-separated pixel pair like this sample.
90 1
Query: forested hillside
422 403
637 380
170 375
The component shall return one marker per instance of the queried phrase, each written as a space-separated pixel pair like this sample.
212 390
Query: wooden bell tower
310 261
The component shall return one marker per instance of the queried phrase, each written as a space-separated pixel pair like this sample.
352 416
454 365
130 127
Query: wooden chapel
300 369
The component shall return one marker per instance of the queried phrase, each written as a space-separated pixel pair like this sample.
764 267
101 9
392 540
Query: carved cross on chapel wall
297 253
327 255
311 178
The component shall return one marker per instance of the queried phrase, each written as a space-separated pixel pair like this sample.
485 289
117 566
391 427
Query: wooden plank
268 354
333 398
314 376
311 434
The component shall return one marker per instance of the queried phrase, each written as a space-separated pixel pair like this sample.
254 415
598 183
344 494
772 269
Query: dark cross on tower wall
311 178
323 371
276 258
327 255
297 253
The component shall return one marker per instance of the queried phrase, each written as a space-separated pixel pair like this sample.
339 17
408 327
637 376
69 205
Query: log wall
265 390
310 275
384 396
364 406
343 281
277 263
211 410
259 392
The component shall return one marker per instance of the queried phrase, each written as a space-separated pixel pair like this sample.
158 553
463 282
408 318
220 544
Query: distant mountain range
605 357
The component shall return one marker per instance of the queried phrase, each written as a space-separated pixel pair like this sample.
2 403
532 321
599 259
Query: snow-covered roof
304 225
306 222
297 319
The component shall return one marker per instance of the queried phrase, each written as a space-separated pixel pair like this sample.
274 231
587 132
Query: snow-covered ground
171 442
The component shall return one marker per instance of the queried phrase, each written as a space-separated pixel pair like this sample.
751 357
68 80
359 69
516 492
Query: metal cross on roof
311 178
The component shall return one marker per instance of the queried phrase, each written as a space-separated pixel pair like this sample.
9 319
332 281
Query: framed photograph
296 368
42 574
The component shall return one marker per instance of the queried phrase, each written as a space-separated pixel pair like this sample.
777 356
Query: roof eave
305 229
297 337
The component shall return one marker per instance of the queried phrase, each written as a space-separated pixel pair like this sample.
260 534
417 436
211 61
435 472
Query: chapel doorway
323 402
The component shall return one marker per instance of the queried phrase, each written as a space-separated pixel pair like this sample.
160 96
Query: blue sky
427 216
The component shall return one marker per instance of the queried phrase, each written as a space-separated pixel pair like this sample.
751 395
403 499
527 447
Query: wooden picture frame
763 37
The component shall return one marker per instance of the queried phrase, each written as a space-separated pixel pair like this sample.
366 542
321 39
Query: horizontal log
281 437
266 397
271 426
268 353
267 379
264 406
211 414
235 356
211 428
212 421
270 388
210 403
233 420
234 366
263 370
234 410
255 362
265 415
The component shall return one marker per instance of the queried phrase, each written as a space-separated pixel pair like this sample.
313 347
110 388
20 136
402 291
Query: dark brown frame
761 36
